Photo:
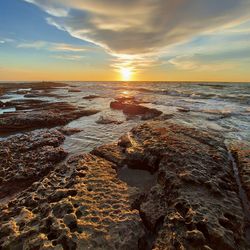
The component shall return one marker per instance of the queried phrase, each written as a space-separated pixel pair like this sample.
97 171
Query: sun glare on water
126 74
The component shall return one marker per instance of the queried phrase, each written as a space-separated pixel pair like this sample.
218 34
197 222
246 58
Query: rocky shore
82 203
160 186
31 114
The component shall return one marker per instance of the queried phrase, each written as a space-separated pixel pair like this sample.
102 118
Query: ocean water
221 107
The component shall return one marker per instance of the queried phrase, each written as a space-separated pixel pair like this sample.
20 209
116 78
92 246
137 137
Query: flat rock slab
32 114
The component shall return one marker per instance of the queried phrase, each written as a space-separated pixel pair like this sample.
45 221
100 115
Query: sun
126 74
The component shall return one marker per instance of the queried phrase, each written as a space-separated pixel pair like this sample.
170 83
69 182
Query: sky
112 40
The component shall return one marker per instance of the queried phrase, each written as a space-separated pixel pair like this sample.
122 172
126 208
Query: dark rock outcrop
131 108
40 114
91 97
38 89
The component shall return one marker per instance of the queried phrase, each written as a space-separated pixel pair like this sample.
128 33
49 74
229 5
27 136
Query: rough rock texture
40 114
131 107
241 152
91 97
195 204
81 205
27 158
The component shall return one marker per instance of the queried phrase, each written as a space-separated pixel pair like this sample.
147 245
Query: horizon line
147 81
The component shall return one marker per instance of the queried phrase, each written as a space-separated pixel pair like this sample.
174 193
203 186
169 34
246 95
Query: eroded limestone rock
27 158
95 214
40 114
83 205
195 204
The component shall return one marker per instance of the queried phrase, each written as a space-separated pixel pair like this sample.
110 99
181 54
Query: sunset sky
168 40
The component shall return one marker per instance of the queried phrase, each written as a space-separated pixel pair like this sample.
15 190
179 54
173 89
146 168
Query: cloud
33 45
69 57
194 63
52 46
68 47
134 30
45 5
6 40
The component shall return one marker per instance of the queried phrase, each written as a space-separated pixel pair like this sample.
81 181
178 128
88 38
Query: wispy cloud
68 47
52 46
191 63
52 10
69 57
134 30
33 45
6 40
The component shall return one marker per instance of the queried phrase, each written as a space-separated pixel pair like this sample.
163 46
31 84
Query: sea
220 107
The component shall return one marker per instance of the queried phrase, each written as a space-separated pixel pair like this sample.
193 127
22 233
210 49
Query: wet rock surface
27 158
82 204
32 114
131 108
31 106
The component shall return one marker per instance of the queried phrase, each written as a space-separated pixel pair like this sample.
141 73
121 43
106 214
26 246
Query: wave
242 99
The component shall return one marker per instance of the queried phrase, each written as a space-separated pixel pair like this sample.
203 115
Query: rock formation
131 108
27 158
91 97
195 204
82 204
40 114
